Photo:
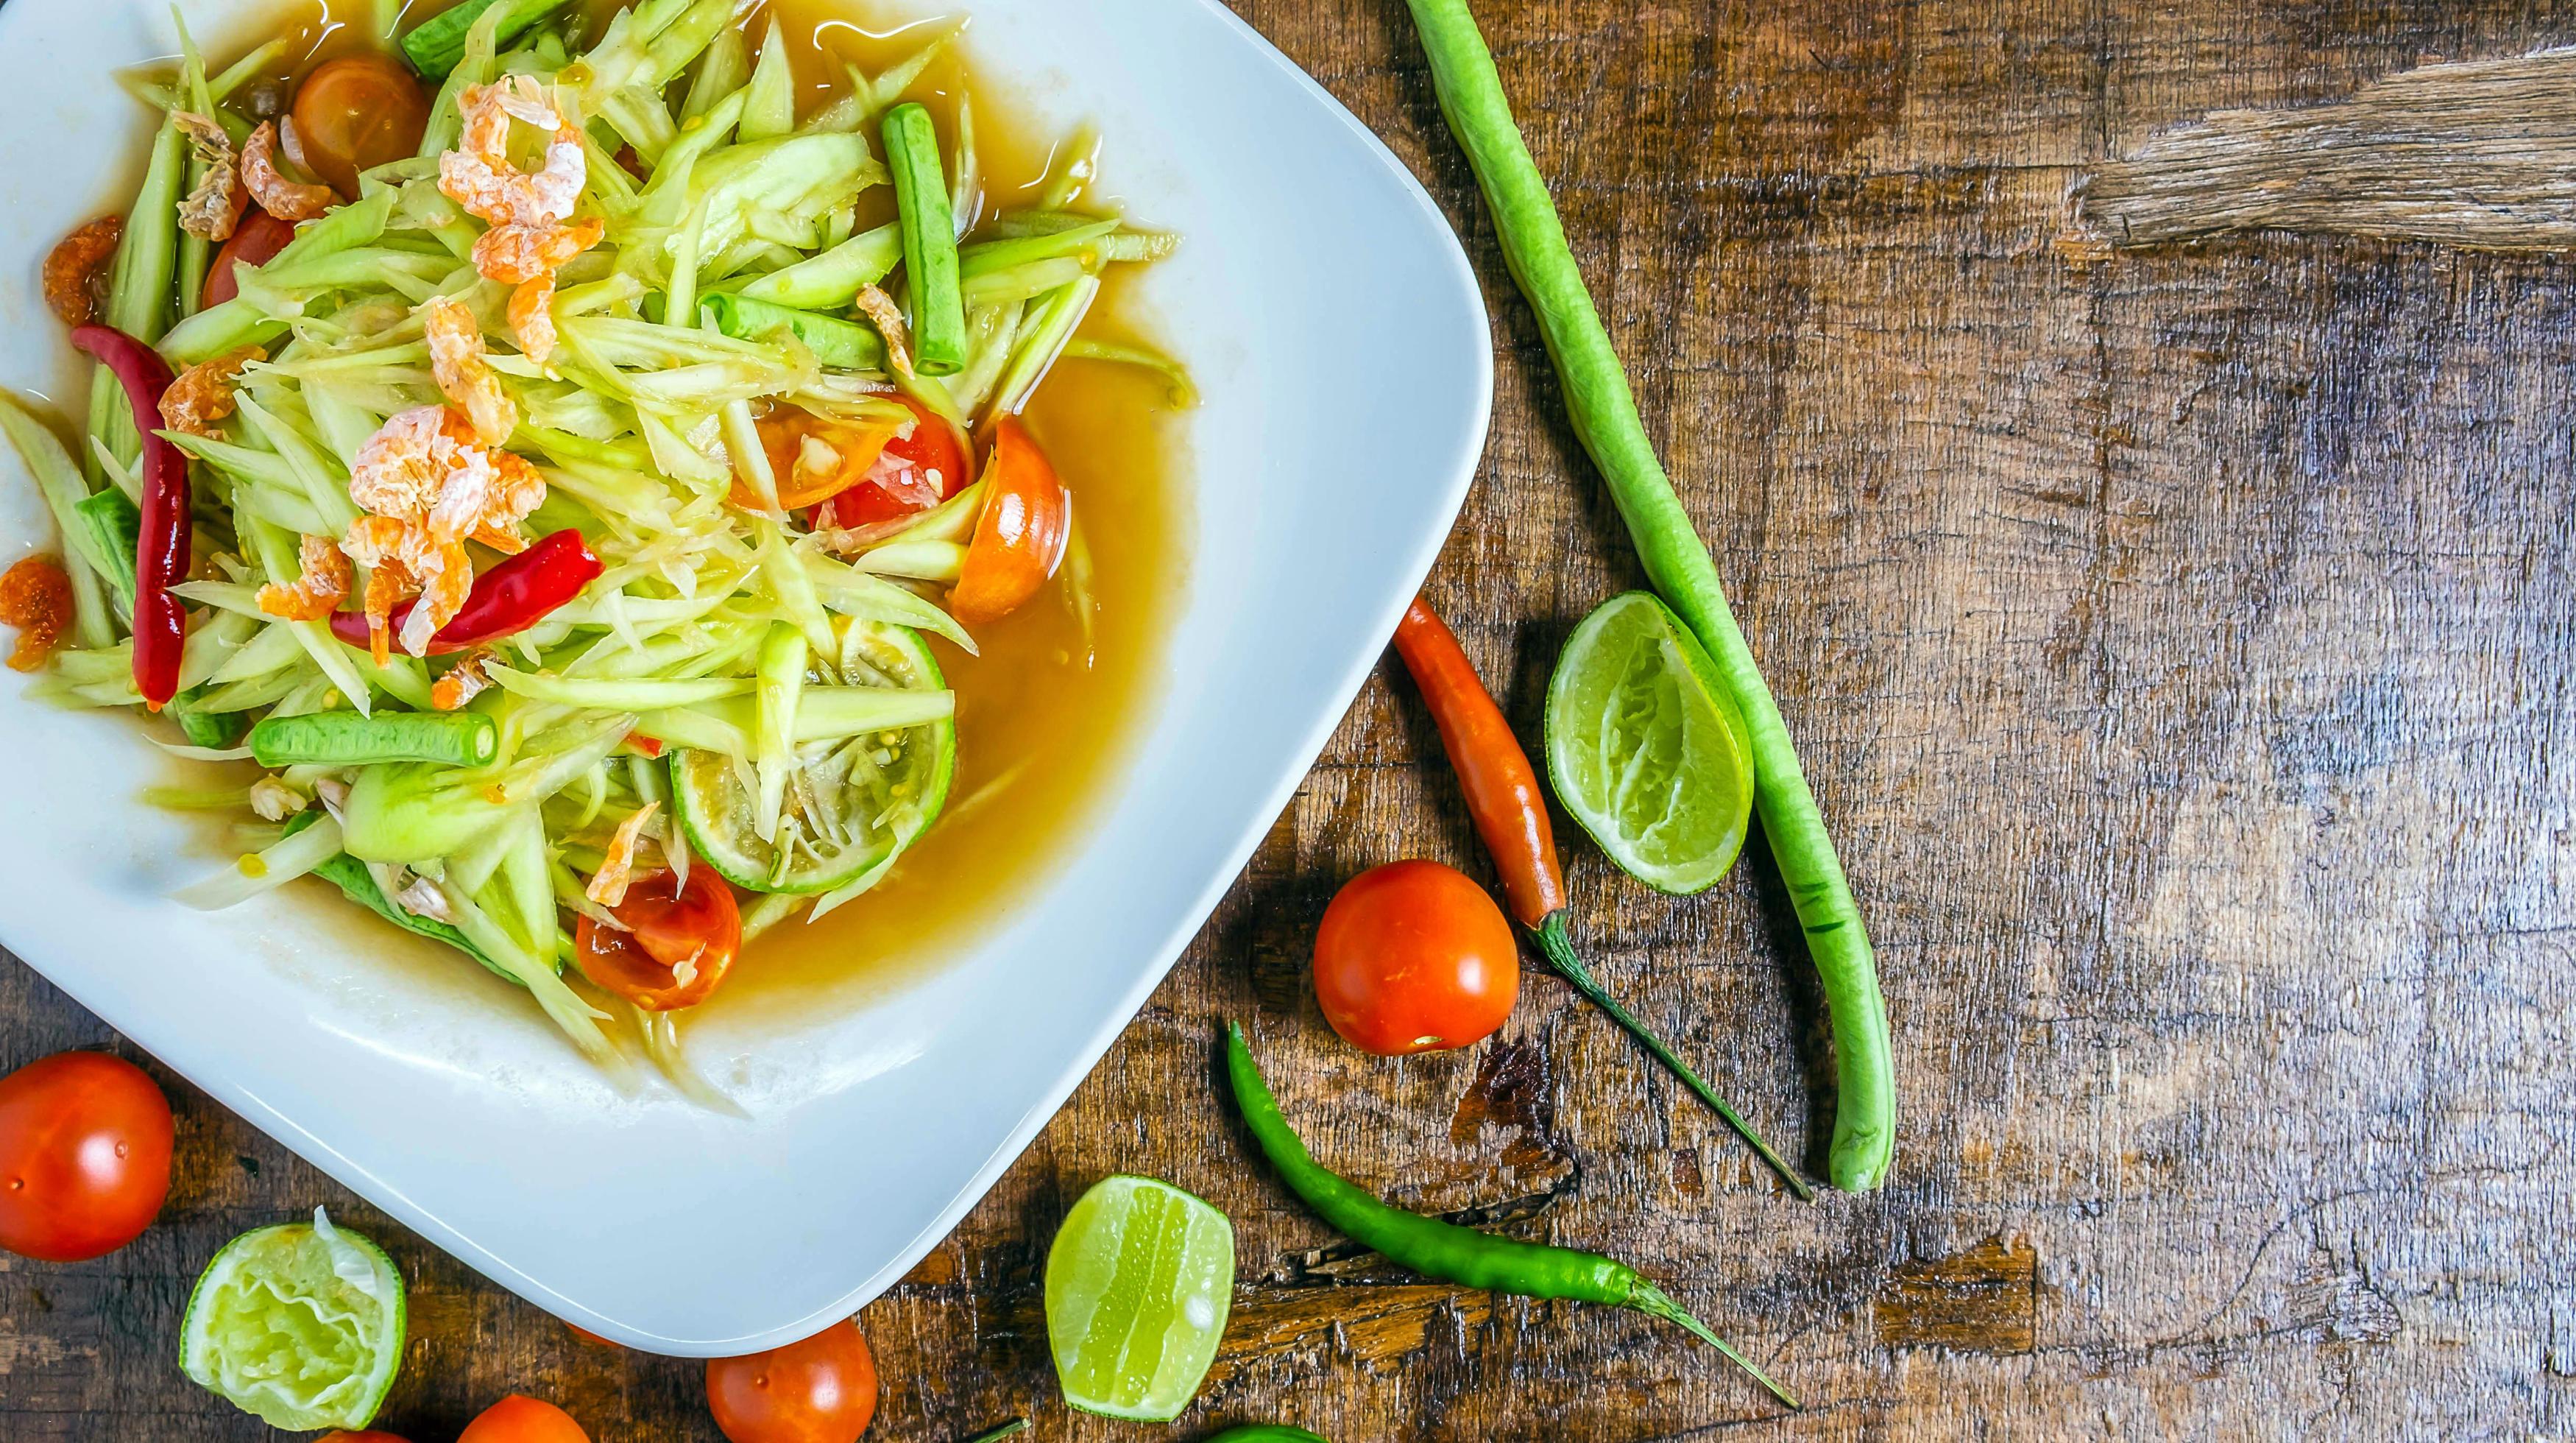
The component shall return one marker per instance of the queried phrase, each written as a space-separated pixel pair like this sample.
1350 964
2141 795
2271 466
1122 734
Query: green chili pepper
929 241
346 739
1445 1250
1604 413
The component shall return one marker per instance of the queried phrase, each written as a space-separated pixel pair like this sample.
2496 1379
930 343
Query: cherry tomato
84 1156
255 239
1415 957
822 1390
587 1336
1020 537
522 1419
695 933
358 112
932 451
783 435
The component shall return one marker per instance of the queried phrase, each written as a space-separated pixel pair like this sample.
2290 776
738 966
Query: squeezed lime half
1138 1284
1646 749
300 1324
852 812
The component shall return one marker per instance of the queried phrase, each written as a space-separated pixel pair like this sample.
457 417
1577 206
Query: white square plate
1341 343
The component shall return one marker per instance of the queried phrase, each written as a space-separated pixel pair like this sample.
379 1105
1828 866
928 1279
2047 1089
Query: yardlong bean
1604 413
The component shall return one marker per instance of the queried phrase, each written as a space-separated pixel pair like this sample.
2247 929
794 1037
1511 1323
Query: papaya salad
547 443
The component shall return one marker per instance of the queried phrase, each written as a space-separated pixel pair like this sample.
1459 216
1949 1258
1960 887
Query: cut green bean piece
929 241
436 44
838 344
346 739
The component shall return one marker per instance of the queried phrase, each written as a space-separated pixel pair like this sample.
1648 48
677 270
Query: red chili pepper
1511 815
161 557
513 596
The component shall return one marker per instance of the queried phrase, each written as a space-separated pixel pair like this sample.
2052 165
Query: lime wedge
1645 747
1138 1284
300 1324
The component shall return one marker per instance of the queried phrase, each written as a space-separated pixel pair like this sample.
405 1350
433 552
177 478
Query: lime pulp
299 1324
1138 1285
1645 747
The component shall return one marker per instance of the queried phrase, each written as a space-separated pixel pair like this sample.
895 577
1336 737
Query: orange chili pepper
1502 788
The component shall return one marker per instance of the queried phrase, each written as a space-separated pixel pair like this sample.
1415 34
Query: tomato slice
676 948
255 241
813 458
358 112
1020 535
937 460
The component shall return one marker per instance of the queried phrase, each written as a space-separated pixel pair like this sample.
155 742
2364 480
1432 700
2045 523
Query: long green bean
929 241
346 739
1604 413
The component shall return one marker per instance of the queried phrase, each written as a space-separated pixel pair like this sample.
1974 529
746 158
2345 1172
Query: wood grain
2179 647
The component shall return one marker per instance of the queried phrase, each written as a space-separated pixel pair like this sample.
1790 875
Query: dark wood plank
2178 646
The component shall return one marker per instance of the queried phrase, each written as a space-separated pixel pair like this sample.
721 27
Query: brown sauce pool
1048 712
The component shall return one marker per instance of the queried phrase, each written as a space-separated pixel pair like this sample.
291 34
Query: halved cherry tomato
935 455
522 1419
358 112
84 1156
1415 957
258 237
845 453
676 948
821 1390
1020 536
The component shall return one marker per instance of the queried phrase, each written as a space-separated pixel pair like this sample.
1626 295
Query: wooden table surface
2178 645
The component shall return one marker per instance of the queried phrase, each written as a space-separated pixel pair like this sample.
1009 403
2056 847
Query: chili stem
1005 1431
1652 1300
929 241
1604 413
1558 949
